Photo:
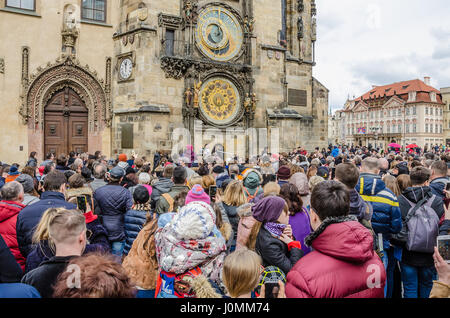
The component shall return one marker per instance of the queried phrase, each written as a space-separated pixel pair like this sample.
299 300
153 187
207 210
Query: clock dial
220 101
219 34
126 68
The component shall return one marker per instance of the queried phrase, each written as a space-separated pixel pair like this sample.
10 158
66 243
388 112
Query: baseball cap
117 172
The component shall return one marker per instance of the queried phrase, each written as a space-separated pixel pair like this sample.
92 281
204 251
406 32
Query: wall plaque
127 136
297 97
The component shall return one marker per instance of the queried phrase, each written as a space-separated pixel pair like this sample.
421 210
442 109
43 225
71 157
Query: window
414 128
94 10
426 110
407 128
169 42
399 128
407 111
426 128
21 4
433 97
414 110
436 129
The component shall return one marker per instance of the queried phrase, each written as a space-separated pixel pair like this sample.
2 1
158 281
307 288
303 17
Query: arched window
22 4
94 10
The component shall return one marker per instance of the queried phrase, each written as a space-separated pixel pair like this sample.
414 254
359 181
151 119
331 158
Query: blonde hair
234 194
315 180
241 271
207 181
195 179
392 184
271 188
59 225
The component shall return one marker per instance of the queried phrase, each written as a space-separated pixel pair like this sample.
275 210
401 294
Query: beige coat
440 290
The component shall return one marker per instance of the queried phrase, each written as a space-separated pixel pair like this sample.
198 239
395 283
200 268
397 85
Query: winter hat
197 193
323 172
284 173
123 165
194 221
27 182
300 180
13 171
268 209
123 157
218 169
252 179
141 195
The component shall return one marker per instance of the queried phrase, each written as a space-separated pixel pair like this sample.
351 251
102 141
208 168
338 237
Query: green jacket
163 206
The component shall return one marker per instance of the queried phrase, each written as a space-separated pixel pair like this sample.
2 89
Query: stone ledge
103 24
145 108
20 11
273 47
142 28
284 113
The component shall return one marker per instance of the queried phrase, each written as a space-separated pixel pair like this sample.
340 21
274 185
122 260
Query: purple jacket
301 228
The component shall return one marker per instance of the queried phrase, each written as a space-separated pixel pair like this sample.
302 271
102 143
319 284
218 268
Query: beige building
336 131
445 92
404 113
119 76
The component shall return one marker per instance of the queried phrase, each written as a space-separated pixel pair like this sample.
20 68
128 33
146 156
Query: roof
402 88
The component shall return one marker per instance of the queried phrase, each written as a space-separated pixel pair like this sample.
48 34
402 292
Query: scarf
276 229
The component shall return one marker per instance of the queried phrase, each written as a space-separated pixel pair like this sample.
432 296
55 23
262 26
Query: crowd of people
336 223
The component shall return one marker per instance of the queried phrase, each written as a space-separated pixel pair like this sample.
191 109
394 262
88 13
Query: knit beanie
300 180
123 157
123 165
194 221
197 193
13 171
284 173
27 182
268 209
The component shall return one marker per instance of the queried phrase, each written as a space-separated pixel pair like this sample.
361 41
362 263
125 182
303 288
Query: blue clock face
219 34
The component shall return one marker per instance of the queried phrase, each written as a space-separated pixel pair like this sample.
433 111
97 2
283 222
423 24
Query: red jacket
343 264
8 219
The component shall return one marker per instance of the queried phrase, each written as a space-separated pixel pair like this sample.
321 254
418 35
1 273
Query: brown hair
29 171
101 277
179 200
330 199
207 181
271 188
54 180
439 168
290 194
348 174
295 169
76 181
240 272
404 182
419 175
168 171
392 184
312 171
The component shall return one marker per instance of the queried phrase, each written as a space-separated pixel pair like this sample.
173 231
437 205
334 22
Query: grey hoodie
164 185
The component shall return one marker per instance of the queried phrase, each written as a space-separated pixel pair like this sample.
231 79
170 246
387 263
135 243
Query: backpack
170 285
422 226
169 200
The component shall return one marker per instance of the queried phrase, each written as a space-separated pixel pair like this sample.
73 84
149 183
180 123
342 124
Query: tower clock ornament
300 28
197 87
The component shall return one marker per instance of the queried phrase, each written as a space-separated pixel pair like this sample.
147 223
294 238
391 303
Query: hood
8 209
370 184
343 238
415 194
300 180
163 185
358 206
252 179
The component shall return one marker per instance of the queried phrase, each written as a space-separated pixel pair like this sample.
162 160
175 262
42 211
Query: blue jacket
29 218
438 185
335 152
113 202
386 218
18 290
134 222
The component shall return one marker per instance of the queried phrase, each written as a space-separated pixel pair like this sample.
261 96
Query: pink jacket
342 265
245 226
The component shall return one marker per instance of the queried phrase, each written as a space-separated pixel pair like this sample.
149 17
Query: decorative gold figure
197 93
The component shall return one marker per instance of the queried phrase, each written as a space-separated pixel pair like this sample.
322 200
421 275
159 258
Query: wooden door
66 124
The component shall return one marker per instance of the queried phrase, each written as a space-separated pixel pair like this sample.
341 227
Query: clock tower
218 70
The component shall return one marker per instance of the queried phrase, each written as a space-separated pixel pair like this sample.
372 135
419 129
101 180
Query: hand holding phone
212 192
82 203
273 290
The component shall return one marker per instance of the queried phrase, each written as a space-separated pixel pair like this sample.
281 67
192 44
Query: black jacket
10 271
44 277
275 253
29 218
415 195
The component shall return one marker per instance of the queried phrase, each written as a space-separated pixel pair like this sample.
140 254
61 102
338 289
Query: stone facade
446 100
144 76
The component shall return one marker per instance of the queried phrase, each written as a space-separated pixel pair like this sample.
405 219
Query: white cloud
365 43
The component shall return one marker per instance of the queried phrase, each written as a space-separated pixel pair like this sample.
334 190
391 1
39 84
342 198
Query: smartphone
443 244
272 290
81 203
447 187
212 191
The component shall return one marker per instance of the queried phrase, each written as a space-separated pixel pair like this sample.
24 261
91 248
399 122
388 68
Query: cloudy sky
361 43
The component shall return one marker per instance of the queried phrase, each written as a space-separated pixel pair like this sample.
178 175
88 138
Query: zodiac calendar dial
219 34
220 101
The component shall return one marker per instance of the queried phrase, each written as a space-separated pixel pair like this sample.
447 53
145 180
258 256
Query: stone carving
313 8
142 12
169 20
248 25
247 103
131 38
254 102
300 6
300 28
69 31
65 72
188 95
2 66
197 87
108 111
174 67
314 30
190 13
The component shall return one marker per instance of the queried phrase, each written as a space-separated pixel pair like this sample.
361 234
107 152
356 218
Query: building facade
409 112
336 131
445 92
123 76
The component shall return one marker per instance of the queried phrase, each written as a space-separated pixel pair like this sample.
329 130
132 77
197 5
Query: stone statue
248 24
254 101
2 66
300 27
188 95
197 93
301 6
247 102
70 19
314 30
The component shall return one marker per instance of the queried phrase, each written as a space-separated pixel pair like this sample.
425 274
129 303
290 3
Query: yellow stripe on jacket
379 200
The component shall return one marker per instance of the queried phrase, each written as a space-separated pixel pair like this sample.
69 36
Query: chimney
427 80
374 86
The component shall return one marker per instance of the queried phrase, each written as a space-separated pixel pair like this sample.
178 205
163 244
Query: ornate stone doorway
65 123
